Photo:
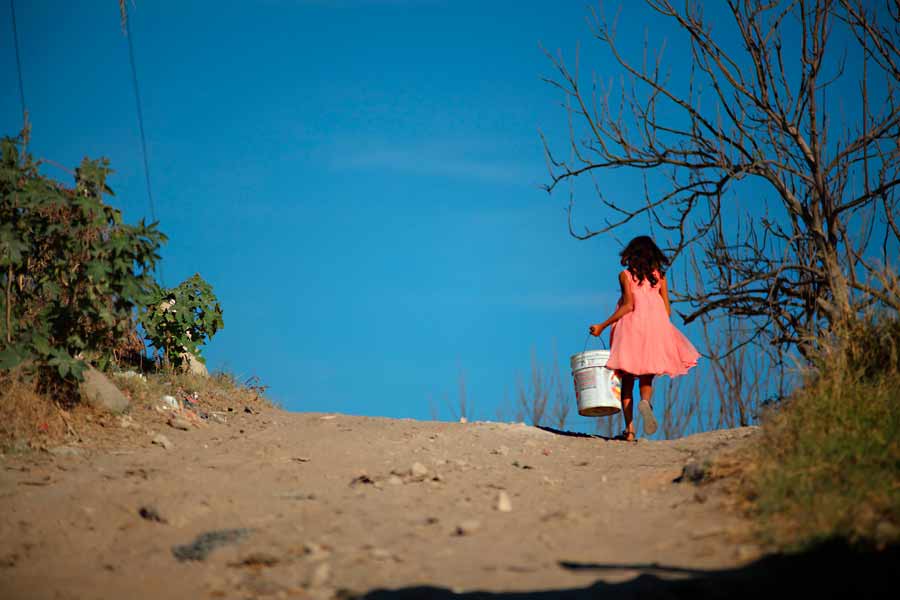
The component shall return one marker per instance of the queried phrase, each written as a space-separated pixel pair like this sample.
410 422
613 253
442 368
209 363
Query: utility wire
140 115
12 11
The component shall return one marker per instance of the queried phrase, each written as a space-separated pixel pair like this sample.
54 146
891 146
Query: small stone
504 504
66 451
603 479
169 403
380 554
217 418
161 440
418 470
394 480
179 423
693 471
315 552
502 451
468 527
151 514
258 559
320 576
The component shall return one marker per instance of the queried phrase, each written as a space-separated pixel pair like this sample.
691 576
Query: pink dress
644 341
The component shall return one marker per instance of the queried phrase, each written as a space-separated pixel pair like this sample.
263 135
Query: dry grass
30 420
827 463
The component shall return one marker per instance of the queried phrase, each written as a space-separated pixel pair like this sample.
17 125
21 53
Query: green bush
829 461
181 319
71 272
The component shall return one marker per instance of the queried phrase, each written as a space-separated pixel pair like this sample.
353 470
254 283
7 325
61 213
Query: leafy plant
71 271
181 319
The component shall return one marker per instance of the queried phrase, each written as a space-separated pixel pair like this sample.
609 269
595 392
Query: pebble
258 559
468 527
125 421
394 480
66 451
179 423
161 440
380 554
151 514
418 470
502 451
315 552
693 471
504 504
169 403
320 576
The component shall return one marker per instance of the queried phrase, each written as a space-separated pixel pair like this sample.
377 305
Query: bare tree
562 398
462 411
760 116
532 400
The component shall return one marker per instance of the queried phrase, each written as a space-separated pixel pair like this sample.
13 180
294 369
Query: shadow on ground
578 434
832 570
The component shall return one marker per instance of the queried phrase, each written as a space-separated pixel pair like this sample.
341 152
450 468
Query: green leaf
10 358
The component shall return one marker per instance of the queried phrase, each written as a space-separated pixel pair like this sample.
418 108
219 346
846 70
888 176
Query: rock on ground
100 392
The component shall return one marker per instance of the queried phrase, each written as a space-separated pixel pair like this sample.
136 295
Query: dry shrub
27 418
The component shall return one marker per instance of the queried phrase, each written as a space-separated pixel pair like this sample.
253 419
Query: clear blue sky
357 179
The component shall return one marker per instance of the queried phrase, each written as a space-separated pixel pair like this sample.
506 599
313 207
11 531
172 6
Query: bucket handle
588 337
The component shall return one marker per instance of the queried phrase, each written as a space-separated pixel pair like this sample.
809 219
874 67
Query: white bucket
597 389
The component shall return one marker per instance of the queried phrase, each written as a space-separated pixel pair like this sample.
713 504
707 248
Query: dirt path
324 503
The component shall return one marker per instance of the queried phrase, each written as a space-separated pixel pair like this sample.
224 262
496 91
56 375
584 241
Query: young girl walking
643 342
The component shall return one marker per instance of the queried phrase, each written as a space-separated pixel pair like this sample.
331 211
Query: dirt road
313 505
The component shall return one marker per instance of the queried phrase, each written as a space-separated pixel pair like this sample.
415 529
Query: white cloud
451 159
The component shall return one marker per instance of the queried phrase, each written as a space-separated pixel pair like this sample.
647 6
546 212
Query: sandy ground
335 505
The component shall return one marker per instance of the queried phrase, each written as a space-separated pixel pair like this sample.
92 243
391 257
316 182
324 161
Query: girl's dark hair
644 259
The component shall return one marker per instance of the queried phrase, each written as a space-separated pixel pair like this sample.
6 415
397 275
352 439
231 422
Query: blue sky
358 180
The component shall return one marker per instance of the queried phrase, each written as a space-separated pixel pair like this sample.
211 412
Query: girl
643 342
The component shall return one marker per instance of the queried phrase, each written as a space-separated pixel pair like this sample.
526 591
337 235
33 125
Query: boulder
191 364
97 390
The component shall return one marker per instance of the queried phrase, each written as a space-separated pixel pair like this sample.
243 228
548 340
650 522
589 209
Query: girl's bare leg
646 388
627 397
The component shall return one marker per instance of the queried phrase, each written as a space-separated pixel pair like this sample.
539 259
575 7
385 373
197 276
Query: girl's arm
664 292
625 306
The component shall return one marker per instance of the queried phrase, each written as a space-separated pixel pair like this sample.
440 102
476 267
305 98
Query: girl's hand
596 329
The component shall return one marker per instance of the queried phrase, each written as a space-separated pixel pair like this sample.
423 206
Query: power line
140 114
12 11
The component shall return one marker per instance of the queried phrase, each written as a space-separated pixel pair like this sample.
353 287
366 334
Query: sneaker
649 421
